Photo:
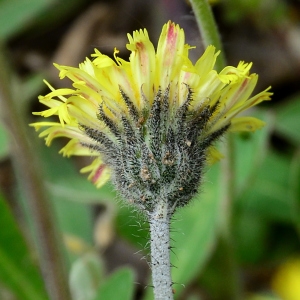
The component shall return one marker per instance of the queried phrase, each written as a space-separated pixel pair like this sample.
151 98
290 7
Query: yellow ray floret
107 84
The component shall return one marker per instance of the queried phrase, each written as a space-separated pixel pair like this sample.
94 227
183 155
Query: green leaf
15 15
74 219
85 276
119 286
18 271
287 120
250 234
269 196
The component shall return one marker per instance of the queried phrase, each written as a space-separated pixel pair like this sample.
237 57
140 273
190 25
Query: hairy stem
208 28
160 252
32 187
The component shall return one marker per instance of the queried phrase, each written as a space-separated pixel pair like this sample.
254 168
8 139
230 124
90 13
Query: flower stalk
160 252
208 28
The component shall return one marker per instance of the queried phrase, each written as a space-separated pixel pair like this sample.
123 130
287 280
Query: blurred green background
105 243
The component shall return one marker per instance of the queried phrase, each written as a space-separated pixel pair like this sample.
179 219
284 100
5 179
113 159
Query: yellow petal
262 96
142 59
59 131
101 60
232 75
38 125
82 109
99 172
246 124
237 93
75 147
50 102
60 110
247 103
78 75
169 57
58 92
209 87
232 96
207 61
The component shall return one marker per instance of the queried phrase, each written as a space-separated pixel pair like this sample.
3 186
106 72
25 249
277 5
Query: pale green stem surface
208 29
33 189
160 252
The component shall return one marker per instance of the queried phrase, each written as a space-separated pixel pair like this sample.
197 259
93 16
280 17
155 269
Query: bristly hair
161 157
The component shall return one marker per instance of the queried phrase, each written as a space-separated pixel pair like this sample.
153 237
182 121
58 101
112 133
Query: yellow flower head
150 122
